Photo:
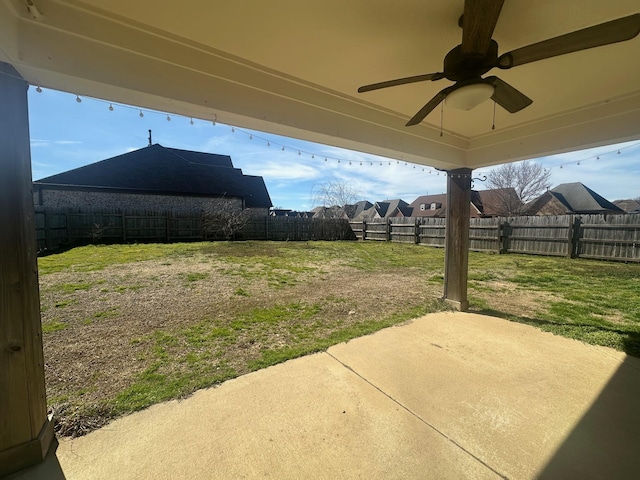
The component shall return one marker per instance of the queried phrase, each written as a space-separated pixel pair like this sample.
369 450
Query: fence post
504 244
388 230
124 232
47 230
168 225
574 237
499 236
66 226
364 229
416 232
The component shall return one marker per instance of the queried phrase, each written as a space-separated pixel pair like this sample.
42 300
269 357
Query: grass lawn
127 326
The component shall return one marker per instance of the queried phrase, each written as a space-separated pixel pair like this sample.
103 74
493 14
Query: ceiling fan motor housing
459 67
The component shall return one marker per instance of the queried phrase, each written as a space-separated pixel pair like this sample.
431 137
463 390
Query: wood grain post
26 432
456 256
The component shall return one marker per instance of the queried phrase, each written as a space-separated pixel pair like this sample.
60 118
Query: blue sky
67 134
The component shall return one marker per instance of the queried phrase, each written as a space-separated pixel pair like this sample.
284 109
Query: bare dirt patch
132 334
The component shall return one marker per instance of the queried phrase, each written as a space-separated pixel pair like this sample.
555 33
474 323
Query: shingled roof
574 198
169 171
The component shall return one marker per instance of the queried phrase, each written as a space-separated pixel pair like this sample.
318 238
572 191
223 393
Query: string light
141 114
38 89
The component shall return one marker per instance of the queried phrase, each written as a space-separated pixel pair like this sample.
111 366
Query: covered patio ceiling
293 67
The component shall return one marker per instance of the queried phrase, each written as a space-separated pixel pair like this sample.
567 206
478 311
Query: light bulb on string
250 137
268 144
111 107
78 99
578 163
349 162
598 157
233 130
38 89
141 114
298 152
168 118
313 156
283 149
215 119
360 163
618 152
325 159
338 160
191 121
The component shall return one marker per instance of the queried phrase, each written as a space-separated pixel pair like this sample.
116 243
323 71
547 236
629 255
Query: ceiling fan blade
401 81
619 30
478 22
433 103
508 97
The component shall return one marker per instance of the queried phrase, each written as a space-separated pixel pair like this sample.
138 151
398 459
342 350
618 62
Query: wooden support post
456 257
416 231
364 229
388 232
26 432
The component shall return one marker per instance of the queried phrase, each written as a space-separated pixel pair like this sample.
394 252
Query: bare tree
225 219
334 193
528 179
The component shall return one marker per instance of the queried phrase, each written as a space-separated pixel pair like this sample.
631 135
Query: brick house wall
60 198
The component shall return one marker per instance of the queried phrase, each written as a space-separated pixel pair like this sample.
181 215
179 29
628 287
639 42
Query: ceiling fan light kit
466 63
469 96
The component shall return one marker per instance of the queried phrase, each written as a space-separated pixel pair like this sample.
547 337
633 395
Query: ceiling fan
478 53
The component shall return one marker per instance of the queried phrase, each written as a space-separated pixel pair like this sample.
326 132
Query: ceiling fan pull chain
493 125
441 116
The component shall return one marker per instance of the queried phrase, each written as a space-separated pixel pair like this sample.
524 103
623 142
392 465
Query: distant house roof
496 202
161 170
629 206
357 208
572 198
484 203
429 206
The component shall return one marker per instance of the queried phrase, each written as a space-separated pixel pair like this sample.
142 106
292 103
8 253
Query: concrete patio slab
444 396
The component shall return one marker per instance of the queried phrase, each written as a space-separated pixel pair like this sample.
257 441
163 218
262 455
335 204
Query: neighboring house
629 206
429 206
569 198
484 203
155 178
281 212
348 212
385 209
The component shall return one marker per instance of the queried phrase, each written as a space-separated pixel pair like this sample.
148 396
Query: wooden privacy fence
56 229
604 237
